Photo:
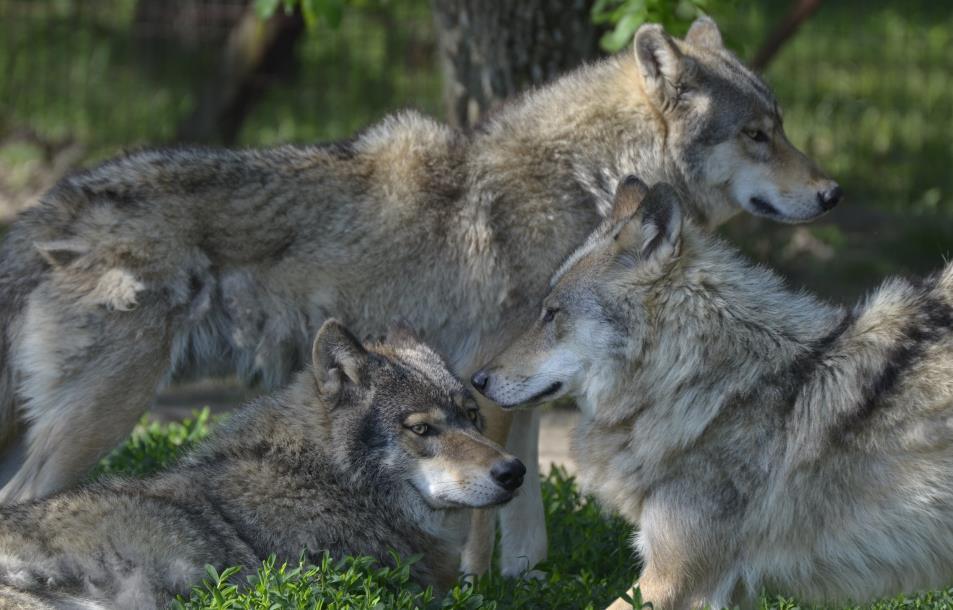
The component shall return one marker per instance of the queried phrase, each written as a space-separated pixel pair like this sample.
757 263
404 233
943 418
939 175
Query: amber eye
756 134
420 429
549 314
473 415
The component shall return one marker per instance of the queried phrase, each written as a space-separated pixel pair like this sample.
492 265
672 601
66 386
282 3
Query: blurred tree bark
491 49
800 11
254 53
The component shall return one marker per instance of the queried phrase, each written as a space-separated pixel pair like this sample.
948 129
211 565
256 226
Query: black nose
508 474
829 198
480 379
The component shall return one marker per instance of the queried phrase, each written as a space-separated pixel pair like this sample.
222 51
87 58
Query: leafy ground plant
591 561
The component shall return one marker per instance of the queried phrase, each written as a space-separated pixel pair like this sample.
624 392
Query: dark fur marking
198 517
122 198
935 320
369 438
236 530
788 383
342 150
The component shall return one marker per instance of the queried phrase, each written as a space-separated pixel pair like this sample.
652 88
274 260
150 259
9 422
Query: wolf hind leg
86 380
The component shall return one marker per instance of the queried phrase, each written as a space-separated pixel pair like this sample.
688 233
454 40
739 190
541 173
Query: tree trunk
800 11
492 49
254 54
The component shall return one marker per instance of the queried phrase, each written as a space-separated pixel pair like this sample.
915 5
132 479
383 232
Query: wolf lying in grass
761 439
375 449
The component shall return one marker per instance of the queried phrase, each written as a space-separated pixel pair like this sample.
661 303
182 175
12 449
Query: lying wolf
173 263
761 439
376 448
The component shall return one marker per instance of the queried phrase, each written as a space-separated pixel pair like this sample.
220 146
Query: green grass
591 562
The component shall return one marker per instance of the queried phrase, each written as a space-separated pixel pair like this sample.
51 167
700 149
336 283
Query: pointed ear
660 62
704 33
656 230
61 252
628 195
338 357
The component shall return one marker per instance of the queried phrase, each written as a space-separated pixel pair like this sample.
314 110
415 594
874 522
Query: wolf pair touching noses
378 448
169 264
759 438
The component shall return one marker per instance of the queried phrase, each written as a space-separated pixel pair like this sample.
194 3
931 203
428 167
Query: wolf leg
523 542
478 551
86 379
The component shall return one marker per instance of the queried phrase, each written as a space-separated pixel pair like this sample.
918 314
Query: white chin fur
442 491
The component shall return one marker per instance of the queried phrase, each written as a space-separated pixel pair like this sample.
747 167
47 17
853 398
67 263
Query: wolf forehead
415 363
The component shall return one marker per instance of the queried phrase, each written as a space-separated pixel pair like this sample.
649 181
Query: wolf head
396 412
724 129
646 295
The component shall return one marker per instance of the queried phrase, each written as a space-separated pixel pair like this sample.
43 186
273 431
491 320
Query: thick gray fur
328 464
177 263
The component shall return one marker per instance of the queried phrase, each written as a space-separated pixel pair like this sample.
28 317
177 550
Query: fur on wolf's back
275 478
764 439
244 253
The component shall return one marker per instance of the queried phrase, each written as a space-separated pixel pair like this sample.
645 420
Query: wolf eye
756 134
550 314
473 415
420 429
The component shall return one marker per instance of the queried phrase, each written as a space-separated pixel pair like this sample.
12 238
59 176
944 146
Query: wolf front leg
688 543
523 542
478 551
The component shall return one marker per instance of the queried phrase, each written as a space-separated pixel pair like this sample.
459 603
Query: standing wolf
760 438
377 448
189 262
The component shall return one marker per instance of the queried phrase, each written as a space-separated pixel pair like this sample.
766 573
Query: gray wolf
375 448
179 263
760 438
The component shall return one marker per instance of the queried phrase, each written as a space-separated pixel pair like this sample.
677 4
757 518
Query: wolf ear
61 252
339 358
704 33
656 231
628 196
660 62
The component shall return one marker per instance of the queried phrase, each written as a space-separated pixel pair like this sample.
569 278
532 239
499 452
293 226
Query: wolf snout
829 197
508 473
480 380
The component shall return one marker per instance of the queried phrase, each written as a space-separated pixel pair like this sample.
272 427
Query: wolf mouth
763 207
547 391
